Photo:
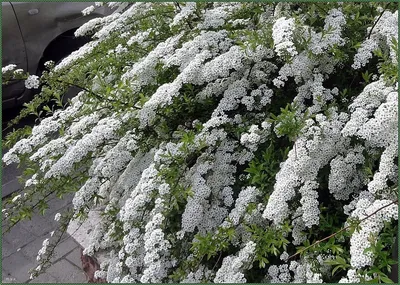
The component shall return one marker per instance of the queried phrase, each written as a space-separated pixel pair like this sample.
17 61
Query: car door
42 22
13 51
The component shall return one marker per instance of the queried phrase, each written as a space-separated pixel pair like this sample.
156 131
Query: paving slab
65 247
18 266
31 250
10 187
18 237
44 278
75 257
7 249
7 277
22 243
66 272
40 225
58 205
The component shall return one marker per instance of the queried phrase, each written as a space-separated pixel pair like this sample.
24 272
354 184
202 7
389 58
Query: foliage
222 142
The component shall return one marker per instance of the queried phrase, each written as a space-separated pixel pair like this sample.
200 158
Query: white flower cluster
313 150
320 95
123 22
362 109
143 72
194 209
8 68
309 203
364 53
231 270
388 171
279 274
214 41
345 178
76 55
361 240
94 24
141 38
246 196
202 273
43 250
134 211
214 18
385 30
301 68
39 137
88 10
57 217
255 136
282 33
301 270
32 82
187 10
374 117
156 247
102 132
334 23
200 212
352 277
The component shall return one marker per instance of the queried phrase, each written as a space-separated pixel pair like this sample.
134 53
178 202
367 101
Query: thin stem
376 22
219 257
321 8
96 95
341 230
178 6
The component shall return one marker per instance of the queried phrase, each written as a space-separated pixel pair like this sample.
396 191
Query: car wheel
60 48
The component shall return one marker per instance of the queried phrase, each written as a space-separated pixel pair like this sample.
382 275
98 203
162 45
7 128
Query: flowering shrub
223 142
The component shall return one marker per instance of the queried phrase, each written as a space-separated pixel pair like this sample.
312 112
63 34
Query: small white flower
284 256
49 64
16 198
57 217
46 242
8 68
18 71
88 10
32 82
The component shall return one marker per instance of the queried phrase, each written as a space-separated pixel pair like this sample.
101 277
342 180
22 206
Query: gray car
35 32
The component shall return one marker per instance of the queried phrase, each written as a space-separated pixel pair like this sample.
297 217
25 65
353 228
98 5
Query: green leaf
336 268
386 279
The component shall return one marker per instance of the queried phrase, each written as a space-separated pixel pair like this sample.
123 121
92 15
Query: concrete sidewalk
22 243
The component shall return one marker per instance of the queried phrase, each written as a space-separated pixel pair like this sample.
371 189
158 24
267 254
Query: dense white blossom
174 157
88 10
302 166
282 33
232 267
8 68
361 240
345 178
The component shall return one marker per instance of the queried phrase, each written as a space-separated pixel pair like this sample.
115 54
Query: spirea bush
222 142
